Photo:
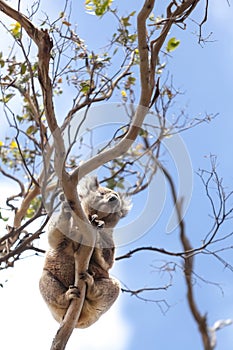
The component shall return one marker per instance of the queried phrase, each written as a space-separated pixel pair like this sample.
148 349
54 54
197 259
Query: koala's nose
113 198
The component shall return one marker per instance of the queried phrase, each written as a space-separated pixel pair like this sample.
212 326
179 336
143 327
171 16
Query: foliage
172 44
98 7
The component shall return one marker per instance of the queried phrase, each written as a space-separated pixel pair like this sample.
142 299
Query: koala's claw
95 222
73 293
100 223
93 218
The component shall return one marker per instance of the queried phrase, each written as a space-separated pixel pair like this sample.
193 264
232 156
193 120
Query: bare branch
8 240
188 269
152 249
22 189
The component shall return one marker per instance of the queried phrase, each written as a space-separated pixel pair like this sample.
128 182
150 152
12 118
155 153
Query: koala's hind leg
52 290
56 295
100 296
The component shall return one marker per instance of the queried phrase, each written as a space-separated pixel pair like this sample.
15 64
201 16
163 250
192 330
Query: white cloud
27 323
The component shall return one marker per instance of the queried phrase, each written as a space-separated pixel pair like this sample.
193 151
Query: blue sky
205 74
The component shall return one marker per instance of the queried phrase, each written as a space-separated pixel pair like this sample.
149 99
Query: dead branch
203 21
24 244
188 268
138 293
152 249
141 290
22 189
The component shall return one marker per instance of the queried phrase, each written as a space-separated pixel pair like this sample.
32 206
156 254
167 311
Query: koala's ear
87 185
126 204
93 183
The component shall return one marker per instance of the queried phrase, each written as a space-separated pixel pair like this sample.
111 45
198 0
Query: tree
135 150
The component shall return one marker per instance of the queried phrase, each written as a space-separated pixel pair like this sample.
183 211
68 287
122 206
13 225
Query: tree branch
22 189
188 268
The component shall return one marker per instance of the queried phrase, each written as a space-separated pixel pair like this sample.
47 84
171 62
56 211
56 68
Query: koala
103 208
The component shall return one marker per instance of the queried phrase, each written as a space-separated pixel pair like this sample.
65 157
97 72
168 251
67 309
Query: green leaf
125 21
97 7
31 129
85 86
143 133
132 14
172 44
34 206
120 185
111 183
16 30
2 61
2 218
23 68
7 98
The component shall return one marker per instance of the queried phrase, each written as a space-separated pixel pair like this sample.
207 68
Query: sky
205 74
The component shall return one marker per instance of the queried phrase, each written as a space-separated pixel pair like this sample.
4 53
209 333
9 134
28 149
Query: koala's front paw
73 293
95 222
87 277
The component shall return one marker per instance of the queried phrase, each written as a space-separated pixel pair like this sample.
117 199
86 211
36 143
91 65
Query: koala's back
61 265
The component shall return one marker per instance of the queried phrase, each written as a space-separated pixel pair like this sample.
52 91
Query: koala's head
109 205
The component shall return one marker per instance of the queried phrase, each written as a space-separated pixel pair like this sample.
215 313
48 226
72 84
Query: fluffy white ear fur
87 185
126 204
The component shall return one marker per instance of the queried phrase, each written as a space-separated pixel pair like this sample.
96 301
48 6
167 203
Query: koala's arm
56 282
56 295
60 227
